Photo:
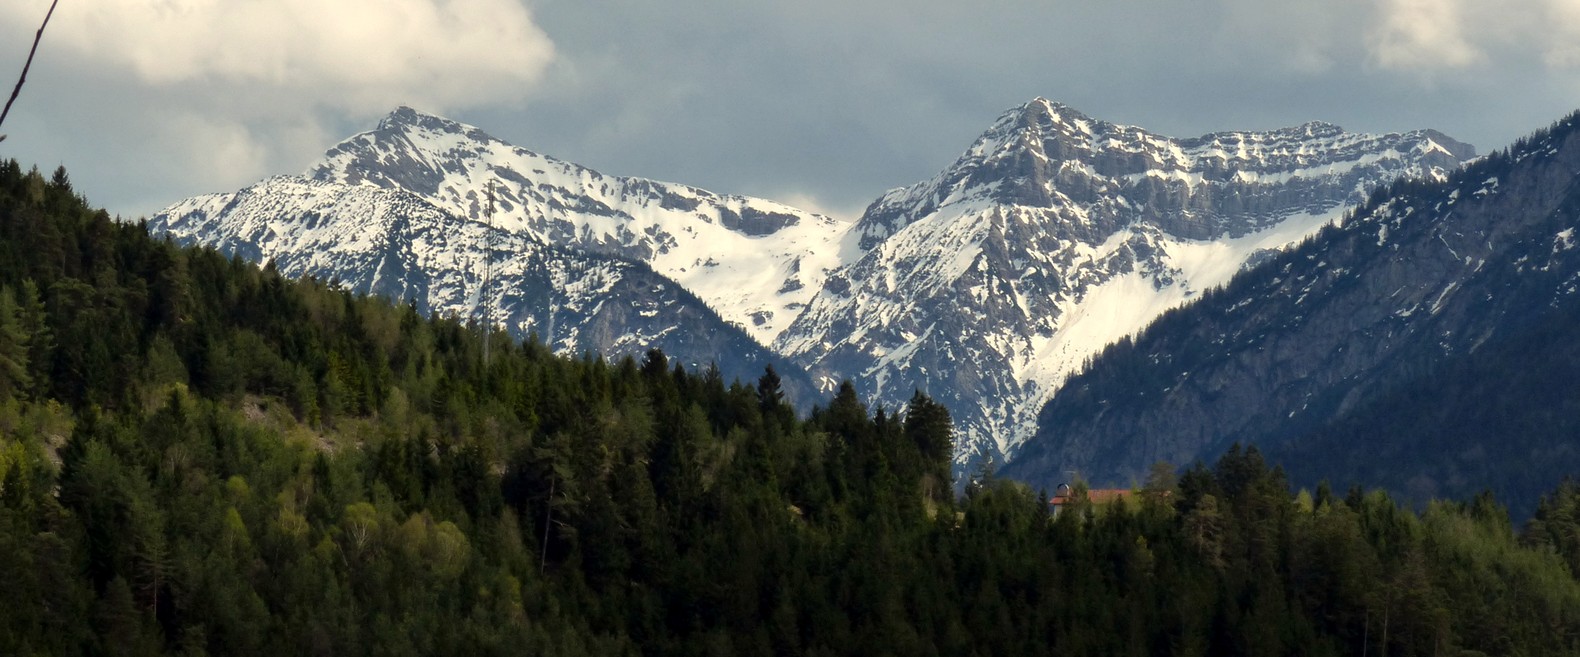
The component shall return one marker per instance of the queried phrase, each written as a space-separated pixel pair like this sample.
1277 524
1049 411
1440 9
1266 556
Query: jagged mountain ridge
1347 353
396 244
756 262
1055 235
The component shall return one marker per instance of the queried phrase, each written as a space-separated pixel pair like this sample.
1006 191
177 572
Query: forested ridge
198 456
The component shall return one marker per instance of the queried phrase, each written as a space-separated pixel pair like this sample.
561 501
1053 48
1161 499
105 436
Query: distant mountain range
1427 344
987 286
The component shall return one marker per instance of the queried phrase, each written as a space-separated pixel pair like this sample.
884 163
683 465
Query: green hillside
198 456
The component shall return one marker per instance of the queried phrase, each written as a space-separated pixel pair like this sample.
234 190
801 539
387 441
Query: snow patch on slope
1124 305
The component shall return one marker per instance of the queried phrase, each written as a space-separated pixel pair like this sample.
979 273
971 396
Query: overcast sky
820 103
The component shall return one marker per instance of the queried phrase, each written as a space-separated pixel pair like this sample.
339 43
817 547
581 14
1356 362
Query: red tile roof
1097 496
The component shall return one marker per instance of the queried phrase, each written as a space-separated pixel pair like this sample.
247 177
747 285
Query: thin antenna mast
488 271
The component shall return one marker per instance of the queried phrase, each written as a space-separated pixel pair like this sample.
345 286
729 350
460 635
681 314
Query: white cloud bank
1564 17
222 92
1438 36
346 54
1422 34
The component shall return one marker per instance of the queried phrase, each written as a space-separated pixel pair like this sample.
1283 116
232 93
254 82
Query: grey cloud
838 101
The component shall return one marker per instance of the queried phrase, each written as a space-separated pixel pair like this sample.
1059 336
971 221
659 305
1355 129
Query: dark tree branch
23 78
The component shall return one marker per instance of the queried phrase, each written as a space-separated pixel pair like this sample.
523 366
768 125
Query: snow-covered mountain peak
1055 234
1049 156
756 262
1040 114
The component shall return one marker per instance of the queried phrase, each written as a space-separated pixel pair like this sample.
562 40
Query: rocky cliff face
1056 234
1410 294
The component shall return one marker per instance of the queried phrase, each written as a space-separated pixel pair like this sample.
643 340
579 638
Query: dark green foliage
219 461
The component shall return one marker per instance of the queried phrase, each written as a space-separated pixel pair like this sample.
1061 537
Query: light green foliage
14 341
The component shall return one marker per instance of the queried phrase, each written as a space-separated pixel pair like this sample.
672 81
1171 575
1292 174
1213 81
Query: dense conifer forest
198 456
